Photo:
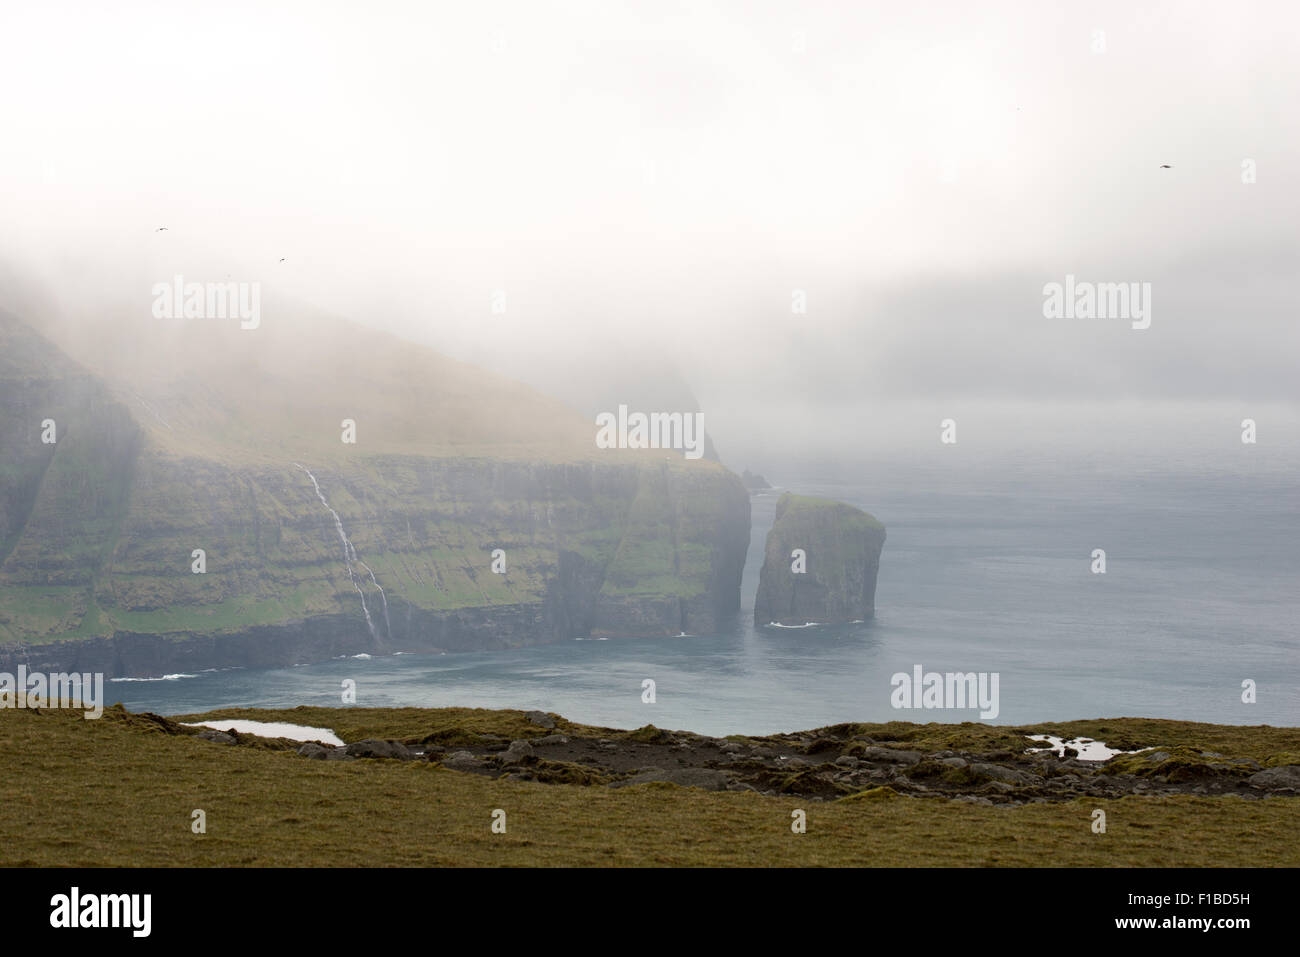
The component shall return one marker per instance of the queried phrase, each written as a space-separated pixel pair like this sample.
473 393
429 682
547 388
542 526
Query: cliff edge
203 507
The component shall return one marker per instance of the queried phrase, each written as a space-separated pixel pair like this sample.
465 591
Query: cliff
833 580
471 512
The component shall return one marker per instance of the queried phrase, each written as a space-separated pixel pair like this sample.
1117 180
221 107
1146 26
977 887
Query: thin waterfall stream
351 560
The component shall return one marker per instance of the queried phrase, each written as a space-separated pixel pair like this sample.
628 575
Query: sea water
987 571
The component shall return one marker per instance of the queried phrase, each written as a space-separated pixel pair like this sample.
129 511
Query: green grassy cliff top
797 507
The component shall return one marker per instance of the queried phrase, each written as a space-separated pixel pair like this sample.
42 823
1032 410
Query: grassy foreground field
120 791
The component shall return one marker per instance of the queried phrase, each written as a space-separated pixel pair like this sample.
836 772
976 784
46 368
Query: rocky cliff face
308 552
820 564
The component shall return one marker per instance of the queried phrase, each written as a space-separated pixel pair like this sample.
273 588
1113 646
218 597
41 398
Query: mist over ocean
986 569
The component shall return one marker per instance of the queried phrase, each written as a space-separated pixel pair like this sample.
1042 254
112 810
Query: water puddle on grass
1089 750
271 729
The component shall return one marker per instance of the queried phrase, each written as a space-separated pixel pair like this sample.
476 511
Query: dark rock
317 752
541 719
890 755
376 748
517 751
822 745
1287 776
218 737
462 761
996 772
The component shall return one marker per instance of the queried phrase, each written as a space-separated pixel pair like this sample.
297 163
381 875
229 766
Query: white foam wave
175 677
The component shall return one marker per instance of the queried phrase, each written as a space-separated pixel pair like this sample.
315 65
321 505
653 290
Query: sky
655 185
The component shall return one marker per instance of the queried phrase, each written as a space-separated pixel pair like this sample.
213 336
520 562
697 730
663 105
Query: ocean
985 570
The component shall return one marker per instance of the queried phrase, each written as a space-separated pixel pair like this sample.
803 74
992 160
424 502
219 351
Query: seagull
281 259
161 229
1166 166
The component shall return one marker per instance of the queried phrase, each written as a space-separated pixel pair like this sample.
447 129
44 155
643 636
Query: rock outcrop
978 764
820 564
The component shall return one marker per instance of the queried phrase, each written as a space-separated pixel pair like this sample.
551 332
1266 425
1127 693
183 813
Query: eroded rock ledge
992 767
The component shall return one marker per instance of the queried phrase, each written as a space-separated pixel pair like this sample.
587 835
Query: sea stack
820 564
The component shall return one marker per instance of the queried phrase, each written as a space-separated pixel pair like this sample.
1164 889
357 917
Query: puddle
1089 750
271 729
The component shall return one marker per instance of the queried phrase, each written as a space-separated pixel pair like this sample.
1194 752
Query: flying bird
1166 166
281 259
161 229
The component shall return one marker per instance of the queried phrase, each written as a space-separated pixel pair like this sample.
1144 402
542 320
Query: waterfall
388 625
350 559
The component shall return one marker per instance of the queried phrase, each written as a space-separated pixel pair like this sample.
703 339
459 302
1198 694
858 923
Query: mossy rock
970 736
562 772
881 793
962 777
927 769
823 745
452 737
812 783
1179 764
1281 760
841 730
148 721
1121 743
649 735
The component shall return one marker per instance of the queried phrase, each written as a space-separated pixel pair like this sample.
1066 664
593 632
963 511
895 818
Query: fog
834 223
